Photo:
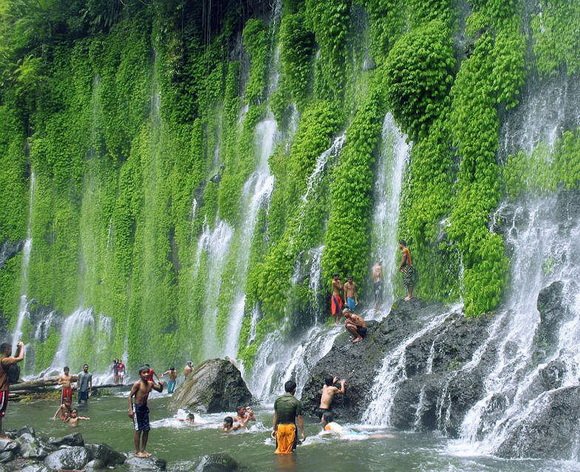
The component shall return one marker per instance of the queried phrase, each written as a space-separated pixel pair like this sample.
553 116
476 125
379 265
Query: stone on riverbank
215 385
153 464
69 458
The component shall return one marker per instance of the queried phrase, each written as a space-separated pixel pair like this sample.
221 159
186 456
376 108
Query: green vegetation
138 120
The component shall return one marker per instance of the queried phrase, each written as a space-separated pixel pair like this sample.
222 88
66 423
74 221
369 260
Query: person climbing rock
408 270
328 392
188 369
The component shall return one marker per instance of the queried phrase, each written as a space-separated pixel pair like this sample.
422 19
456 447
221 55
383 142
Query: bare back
327 396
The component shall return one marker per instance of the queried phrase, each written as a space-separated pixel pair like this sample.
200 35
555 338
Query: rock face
546 433
213 386
424 375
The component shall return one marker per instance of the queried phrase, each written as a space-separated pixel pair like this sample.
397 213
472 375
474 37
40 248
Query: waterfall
392 373
27 249
256 193
390 167
545 243
79 332
315 279
543 253
278 360
216 243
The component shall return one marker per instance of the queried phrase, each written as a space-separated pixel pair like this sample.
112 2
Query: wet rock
136 464
19 432
105 454
8 250
217 463
95 464
429 362
213 386
8 445
553 374
75 439
32 447
548 432
7 456
34 468
68 458
552 312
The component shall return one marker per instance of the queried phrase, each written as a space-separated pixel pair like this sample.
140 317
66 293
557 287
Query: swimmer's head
228 422
190 417
241 410
66 370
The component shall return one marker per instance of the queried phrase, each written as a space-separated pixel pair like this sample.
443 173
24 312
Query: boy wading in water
139 411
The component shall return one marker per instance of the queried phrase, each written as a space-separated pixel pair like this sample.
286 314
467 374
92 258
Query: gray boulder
105 454
8 445
95 464
217 463
546 433
32 447
35 468
75 439
7 456
68 458
213 386
136 464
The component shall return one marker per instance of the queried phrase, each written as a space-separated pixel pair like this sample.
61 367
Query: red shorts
66 394
3 402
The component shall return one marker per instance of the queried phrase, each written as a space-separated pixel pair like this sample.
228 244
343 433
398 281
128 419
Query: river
180 445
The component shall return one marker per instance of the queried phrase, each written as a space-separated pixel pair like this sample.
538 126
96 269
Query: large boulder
105 454
217 463
32 447
138 464
75 439
69 458
213 386
428 357
547 432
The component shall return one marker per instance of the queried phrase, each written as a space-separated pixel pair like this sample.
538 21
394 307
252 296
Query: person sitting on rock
355 325
229 425
328 392
73 419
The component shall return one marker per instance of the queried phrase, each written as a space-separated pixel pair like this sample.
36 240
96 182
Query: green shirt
287 408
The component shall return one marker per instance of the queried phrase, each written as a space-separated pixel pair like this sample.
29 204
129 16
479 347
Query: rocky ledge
25 450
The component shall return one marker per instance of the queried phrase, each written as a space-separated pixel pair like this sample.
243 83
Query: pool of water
180 444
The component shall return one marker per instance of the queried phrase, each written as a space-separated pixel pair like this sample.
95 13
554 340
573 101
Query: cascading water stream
256 193
216 243
27 249
392 373
545 242
390 168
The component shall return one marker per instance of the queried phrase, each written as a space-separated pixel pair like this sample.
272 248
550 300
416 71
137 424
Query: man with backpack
9 373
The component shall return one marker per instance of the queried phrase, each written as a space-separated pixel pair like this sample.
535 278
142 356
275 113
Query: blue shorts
351 303
141 417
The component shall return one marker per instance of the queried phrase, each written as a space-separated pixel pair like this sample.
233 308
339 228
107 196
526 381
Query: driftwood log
41 387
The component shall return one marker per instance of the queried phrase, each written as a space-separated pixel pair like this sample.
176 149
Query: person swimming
229 425
329 426
73 418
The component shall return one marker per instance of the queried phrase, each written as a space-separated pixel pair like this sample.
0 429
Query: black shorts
141 417
321 412
362 332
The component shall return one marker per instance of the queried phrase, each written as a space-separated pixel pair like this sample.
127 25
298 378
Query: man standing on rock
6 361
188 369
336 302
139 411
85 384
378 283
328 392
287 420
350 293
408 270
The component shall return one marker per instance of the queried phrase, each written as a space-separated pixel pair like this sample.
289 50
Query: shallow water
182 444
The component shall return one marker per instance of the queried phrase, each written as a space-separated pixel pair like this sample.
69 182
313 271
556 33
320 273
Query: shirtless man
355 325
336 302
120 371
188 369
229 425
408 270
66 381
377 274
139 412
328 392
350 294
172 374
63 411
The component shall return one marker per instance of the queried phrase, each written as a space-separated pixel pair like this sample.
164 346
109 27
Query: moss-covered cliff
139 123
